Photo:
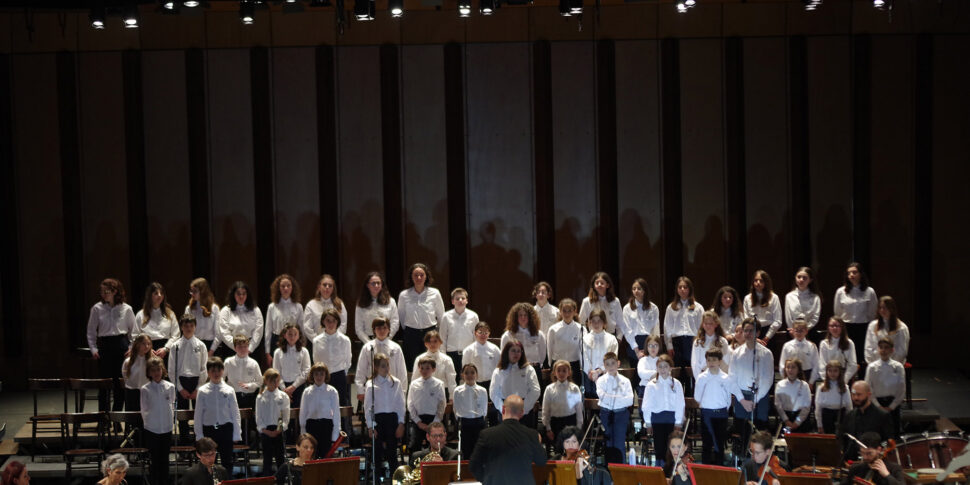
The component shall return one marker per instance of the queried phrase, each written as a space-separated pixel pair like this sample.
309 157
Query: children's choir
719 357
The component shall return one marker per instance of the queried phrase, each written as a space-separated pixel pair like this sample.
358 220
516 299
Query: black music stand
251 481
637 475
713 475
805 479
444 472
813 450
555 473
332 470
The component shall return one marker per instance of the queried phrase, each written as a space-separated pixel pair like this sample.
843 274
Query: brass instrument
405 475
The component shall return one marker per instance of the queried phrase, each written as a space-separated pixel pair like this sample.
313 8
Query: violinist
676 469
570 445
761 456
873 467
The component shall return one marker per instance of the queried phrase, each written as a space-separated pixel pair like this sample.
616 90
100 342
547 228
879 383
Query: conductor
505 453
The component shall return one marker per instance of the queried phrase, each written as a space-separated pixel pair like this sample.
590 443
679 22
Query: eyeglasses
373 283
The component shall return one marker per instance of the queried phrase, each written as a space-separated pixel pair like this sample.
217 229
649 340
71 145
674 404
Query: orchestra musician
761 456
873 467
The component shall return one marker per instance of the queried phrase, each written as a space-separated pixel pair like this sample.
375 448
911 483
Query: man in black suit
873 467
864 418
505 453
436 441
203 472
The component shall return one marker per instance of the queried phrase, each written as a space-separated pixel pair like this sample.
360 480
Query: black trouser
246 400
222 435
111 352
418 438
385 446
556 425
493 416
158 445
805 427
158 344
470 429
894 414
189 384
297 396
530 419
272 451
322 430
456 361
831 419
714 435
338 380
682 352
292 431
577 372
132 399
413 342
634 359
857 333
663 425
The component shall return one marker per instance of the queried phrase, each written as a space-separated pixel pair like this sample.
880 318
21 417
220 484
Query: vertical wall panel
425 162
296 167
702 185
638 188
361 179
103 180
830 160
500 183
231 169
892 195
167 172
574 172
766 157
42 261
11 321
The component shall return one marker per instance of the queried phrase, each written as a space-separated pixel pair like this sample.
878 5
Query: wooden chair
80 387
347 414
45 422
184 454
246 416
131 422
71 424
292 431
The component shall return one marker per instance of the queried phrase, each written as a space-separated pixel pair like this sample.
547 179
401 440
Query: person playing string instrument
570 446
873 467
674 469
761 445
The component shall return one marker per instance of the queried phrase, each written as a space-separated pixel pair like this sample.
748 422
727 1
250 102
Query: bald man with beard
864 417
505 453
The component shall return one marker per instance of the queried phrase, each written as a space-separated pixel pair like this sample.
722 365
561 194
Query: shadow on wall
640 259
358 255
497 281
833 252
235 257
171 252
708 270
576 260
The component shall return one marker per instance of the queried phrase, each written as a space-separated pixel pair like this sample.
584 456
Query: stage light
465 8
486 7
168 5
190 3
811 5
247 12
396 7
681 7
690 3
879 4
364 10
97 17
131 17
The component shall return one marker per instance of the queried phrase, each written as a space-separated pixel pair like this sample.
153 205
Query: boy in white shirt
457 329
615 395
426 402
887 378
713 391
217 413
242 373
444 368
484 355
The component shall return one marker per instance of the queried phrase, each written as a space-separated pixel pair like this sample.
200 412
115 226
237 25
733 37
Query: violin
581 457
680 467
773 465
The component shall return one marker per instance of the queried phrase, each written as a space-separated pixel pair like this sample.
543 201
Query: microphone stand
289 466
458 478
373 411
175 413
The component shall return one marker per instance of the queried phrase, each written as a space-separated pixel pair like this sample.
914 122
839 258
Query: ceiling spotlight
396 7
486 7
131 17
681 7
879 3
247 12
811 5
190 3
568 8
97 17
364 10
690 3
465 8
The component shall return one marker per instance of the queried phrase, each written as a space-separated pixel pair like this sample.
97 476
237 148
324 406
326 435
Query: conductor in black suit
505 453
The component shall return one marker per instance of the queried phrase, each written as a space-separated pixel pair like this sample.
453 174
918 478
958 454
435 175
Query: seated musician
569 450
872 467
676 470
437 436
760 447
864 417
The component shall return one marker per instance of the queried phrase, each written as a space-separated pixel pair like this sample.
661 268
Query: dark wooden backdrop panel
638 188
703 182
167 174
296 170
231 172
573 99
425 162
500 178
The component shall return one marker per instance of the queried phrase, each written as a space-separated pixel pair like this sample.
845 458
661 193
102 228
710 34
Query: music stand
251 481
444 472
813 450
637 475
861 481
805 479
332 470
555 473
713 475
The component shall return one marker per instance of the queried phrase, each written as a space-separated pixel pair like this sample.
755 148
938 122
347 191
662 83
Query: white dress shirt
514 380
206 327
614 392
698 354
753 369
803 350
383 395
242 374
109 320
793 396
321 402
828 349
595 346
485 357
563 341
900 340
158 326
420 310
470 401
426 396
640 321
215 406
293 365
548 316
187 359
365 362
831 399
646 369
803 305
683 322
278 315
333 351
135 378
887 378
856 306
613 309
240 321
312 314
457 330
444 369
714 391
728 320
562 399
272 409
364 319
534 345
157 403
663 394
768 316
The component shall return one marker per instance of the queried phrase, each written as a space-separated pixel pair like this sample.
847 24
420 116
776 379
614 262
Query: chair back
36 386
184 414
71 424
80 386
246 413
